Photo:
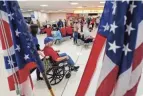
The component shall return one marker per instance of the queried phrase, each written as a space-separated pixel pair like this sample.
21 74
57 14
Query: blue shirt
35 40
57 35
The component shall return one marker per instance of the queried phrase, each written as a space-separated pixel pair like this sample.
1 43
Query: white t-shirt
97 20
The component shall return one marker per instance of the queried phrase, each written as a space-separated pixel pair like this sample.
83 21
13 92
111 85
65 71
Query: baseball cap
48 39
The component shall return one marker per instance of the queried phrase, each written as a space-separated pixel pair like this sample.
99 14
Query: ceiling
61 6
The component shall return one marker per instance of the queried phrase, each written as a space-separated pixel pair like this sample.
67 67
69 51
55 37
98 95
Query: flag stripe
94 81
4 16
10 72
122 84
11 51
135 76
137 70
92 61
139 35
107 66
133 91
138 56
11 82
26 87
104 89
7 33
22 74
25 71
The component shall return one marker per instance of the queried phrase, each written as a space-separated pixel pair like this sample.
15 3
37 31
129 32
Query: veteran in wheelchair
57 65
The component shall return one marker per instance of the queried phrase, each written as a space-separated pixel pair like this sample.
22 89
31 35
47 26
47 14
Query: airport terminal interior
72 26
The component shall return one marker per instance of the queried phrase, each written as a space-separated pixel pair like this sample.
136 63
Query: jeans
75 37
69 61
75 40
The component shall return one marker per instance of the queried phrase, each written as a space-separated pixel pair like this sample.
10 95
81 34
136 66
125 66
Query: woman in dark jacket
34 31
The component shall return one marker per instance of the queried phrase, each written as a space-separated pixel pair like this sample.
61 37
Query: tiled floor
67 87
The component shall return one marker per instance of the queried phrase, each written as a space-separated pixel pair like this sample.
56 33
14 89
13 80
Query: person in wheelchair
57 35
87 38
49 51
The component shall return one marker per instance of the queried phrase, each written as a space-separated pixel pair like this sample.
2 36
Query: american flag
121 29
20 54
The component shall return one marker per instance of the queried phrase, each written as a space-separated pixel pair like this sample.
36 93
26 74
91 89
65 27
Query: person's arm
61 58
55 56
41 54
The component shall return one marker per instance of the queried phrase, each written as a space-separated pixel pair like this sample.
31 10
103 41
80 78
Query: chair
56 70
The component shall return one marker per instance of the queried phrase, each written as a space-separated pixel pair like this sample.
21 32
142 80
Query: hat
48 39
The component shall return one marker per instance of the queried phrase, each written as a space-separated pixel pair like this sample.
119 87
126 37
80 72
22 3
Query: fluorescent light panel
43 5
102 2
74 3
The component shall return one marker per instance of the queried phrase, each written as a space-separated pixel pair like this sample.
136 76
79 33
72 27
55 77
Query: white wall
56 16
42 17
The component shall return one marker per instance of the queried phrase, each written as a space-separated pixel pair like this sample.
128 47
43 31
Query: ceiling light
43 5
80 7
74 3
29 10
100 6
102 2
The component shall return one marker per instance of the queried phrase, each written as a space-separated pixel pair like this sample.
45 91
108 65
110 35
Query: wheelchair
86 43
56 71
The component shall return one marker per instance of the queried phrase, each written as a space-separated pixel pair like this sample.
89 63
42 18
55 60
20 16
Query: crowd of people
57 32
75 29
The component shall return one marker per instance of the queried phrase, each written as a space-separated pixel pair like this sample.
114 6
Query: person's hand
67 57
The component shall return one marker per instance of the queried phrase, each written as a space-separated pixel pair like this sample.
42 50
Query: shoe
40 78
75 68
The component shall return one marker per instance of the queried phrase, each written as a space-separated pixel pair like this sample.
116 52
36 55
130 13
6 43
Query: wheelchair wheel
55 75
68 75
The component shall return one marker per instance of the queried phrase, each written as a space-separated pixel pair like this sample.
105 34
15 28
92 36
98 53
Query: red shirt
63 31
48 31
93 21
69 30
49 51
